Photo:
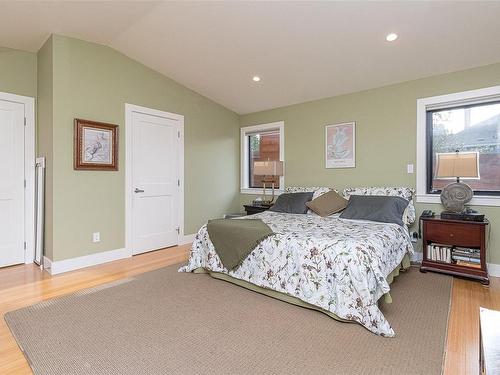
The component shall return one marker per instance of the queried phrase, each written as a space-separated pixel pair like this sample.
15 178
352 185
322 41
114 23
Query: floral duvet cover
336 264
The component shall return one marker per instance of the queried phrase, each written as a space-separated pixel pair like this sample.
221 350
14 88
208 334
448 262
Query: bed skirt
403 266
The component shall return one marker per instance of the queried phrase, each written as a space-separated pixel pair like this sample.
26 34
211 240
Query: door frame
129 110
29 170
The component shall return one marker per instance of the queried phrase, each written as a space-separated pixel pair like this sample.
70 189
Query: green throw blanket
234 239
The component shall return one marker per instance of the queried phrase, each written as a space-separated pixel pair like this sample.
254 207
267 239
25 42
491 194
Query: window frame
245 156
429 136
424 140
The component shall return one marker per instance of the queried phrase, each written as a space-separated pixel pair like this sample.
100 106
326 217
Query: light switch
409 168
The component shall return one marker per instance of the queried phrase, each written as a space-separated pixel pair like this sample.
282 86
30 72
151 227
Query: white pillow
403 192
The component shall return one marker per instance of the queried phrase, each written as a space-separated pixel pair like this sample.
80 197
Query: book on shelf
468 264
466 259
439 253
466 250
466 254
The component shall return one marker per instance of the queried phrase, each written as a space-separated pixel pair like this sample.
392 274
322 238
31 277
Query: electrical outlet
414 237
409 168
96 237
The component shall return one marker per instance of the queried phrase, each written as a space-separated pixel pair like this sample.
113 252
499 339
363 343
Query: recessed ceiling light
391 37
256 78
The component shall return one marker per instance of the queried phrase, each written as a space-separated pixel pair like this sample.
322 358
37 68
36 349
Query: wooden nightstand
452 239
255 208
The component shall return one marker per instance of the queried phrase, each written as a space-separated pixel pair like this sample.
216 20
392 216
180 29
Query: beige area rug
164 322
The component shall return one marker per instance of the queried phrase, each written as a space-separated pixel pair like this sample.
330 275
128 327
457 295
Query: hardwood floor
462 351
25 285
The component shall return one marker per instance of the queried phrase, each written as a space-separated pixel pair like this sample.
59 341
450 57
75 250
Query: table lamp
269 170
456 165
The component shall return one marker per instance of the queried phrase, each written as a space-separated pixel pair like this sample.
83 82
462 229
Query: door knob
138 191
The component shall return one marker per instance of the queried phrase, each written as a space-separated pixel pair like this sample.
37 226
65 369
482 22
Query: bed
337 266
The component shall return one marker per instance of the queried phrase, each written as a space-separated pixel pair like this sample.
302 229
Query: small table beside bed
336 264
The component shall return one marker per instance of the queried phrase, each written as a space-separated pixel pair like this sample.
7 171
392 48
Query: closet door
155 182
11 183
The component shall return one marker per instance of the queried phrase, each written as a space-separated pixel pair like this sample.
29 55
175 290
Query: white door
11 183
155 182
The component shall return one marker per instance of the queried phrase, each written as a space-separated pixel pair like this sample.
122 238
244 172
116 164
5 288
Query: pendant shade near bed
456 165
271 168
268 168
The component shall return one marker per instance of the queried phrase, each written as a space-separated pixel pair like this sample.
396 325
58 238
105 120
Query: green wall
94 82
72 78
385 136
17 72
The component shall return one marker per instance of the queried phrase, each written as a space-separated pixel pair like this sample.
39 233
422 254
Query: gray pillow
292 203
379 208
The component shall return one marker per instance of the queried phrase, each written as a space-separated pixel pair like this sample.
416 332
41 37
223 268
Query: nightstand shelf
448 237
255 208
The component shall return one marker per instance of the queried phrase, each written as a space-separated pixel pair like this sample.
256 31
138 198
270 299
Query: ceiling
301 50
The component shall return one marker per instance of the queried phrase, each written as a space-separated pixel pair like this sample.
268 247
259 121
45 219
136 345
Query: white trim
259 191
487 94
39 210
471 96
60 266
494 269
280 125
129 109
29 171
478 200
187 238
47 263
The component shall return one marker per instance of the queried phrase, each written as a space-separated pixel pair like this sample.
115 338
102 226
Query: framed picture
340 145
95 146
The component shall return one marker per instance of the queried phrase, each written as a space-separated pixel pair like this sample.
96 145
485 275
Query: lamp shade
268 168
457 164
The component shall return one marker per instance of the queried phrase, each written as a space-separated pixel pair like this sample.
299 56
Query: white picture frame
340 145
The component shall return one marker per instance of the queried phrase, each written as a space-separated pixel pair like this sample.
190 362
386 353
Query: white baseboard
494 269
187 238
60 266
47 264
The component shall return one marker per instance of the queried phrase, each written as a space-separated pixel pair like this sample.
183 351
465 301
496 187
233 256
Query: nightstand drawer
454 234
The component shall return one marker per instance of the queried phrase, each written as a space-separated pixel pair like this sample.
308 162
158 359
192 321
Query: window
466 121
473 127
260 143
